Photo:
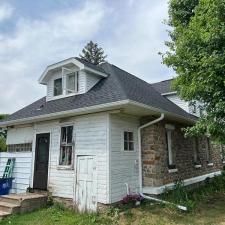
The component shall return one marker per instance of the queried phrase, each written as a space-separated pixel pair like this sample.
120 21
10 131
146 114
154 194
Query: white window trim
66 167
196 154
76 90
122 142
173 170
63 76
169 129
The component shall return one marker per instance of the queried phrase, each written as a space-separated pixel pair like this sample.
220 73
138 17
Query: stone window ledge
173 170
210 164
198 166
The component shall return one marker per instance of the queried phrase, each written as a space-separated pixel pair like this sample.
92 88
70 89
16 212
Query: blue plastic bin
5 185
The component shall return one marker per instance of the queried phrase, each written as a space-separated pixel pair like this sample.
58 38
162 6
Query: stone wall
155 156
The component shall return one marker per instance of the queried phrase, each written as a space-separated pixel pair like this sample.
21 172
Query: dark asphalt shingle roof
119 85
164 86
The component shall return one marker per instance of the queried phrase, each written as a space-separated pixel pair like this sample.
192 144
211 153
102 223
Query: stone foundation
155 155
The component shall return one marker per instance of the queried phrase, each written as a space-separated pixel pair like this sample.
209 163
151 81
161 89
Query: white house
85 140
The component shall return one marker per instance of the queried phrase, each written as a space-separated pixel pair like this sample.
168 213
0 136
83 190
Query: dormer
70 77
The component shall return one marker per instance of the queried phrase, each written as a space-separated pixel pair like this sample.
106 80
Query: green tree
3 134
196 53
93 54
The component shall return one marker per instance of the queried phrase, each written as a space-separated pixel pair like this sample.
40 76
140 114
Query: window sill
210 164
198 166
65 168
173 170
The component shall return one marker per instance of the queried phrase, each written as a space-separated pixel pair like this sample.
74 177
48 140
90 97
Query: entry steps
21 203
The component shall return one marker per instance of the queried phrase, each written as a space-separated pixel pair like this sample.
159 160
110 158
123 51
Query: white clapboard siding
91 139
91 80
178 101
22 169
90 136
123 165
19 135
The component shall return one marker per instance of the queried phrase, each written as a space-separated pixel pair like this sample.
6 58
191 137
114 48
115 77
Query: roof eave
92 109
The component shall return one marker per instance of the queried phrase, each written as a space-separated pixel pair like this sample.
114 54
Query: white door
86 186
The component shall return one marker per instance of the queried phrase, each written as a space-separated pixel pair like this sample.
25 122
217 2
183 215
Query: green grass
210 211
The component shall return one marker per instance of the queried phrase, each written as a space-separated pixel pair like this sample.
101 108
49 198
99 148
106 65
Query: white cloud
36 43
131 36
6 11
139 38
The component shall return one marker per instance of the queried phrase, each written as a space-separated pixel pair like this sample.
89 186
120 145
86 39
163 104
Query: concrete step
9 207
11 199
4 214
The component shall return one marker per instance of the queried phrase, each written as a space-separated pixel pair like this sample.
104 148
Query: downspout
140 165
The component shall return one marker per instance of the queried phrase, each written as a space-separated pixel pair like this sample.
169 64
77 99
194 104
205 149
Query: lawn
209 211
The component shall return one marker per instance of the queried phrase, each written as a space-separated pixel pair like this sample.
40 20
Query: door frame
34 155
75 174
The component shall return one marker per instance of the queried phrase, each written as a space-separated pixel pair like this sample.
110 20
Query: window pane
69 155
58 87
71 83
62 156
125 136
125 145
69 134
63 135
131 136
131 146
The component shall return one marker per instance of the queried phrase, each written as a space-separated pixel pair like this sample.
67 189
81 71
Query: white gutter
140 165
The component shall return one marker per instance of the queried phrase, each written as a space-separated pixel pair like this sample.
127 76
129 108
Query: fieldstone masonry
155 156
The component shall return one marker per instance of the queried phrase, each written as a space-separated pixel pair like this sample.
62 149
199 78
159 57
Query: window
222 148
201 111
66 146
170 150
58 87
72 83
26 147
128 141
193 107
196 152
208 150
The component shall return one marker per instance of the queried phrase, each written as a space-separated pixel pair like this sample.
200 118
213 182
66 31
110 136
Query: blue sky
34 34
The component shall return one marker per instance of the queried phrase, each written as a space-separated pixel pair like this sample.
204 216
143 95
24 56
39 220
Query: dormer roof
81 64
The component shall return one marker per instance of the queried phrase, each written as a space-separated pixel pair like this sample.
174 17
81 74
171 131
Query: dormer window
72 83
58 90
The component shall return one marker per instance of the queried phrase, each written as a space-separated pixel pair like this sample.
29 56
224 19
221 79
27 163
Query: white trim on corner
193 180
198 166
173 170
